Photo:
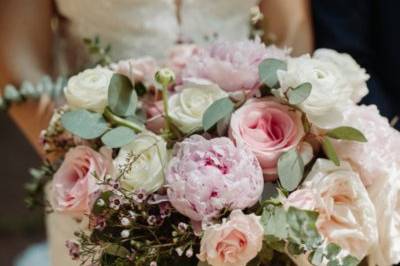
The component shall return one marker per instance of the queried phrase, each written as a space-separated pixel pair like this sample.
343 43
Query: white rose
346 214
353 72
89 89
330 90
140 164
186 108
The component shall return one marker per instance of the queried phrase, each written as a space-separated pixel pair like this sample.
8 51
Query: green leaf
316 257
334 262
11 93
330 151
290 169
117 250
267 71
84 124
122 97
350 261
347 133
294 249
273 220
299 94
217 111
302 227
332 250
118 137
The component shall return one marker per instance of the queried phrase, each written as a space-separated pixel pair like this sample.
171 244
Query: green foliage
84 124
118 137
302 227
117 250
290 169
122 97
35 187
330 151
216 112
30 91
267 71
347 133
100 55
299 94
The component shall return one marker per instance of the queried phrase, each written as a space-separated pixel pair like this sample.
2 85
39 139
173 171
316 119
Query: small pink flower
302 199
234 242
233 66
138 70
74 184
206 176
268 129
73 249
155 116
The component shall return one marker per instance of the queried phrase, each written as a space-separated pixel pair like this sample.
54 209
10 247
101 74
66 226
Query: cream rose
89 89
234 242
346 214
186 108
353 72
140 164
330 90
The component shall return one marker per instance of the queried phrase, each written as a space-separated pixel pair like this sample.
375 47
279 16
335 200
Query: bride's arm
289 23
26 54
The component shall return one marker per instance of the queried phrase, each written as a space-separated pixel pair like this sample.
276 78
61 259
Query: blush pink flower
179 56
268 129
234 242
233 66
138 70
155 116
74 184
206 176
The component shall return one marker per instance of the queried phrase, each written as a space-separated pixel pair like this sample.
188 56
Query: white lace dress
135 28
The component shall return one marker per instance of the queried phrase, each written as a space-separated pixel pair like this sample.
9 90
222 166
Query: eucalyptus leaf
299 94
267 71
347 133
330 151
350 261
122 97
302 227
332 250
273 220
316 257
118 137
117 250
334 262
290 169
217 111
84 124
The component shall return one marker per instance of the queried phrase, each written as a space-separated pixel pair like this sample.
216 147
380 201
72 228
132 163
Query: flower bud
125 233
165 76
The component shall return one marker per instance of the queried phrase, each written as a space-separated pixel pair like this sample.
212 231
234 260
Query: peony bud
165 76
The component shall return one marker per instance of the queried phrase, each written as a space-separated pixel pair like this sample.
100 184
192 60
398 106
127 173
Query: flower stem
108 114
165 104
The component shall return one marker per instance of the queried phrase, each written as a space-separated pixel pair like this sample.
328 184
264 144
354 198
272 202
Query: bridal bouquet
231 155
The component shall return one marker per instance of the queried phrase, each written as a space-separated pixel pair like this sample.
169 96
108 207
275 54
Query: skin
26 44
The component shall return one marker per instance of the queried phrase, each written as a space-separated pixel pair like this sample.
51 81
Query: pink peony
233 66
138 70
268 129
179 56
234 242
206 176
74 184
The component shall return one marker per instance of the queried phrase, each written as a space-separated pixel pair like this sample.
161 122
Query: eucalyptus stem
165 104
114 119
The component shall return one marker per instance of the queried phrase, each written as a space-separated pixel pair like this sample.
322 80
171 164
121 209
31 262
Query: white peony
350 69
346 214
330 90
140 164
89 89
186 108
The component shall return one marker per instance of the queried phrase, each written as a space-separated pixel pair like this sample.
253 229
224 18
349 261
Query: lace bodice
149 27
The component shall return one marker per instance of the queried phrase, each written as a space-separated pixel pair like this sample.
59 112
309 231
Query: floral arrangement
229 155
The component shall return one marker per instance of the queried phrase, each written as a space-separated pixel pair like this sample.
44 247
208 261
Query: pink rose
138 70
178 58
206 176
232 65
234 242
302 199
74 184
268 129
